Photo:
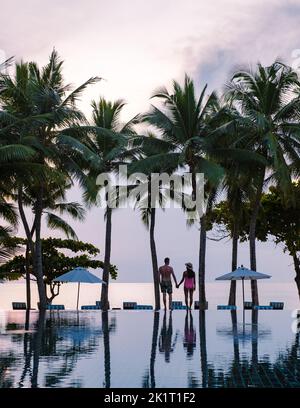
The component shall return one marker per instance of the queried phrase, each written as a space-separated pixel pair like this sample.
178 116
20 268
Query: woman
189 278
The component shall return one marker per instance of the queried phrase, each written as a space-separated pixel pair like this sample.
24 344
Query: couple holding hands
189 278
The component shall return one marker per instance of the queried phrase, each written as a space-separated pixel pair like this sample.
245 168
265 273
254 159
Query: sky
136 46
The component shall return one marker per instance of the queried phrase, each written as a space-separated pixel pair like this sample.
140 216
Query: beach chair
143 307
176 303
226 307
196 305
90 307
129 305
179 307
19 305
55 307
262 307
248 305
277 305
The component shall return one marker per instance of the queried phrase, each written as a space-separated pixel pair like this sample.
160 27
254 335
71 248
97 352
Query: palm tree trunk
24 220
297 270
202 252
38 257
105 276
202 255
29 245
154 259
38 341
252 236
27 271
235 240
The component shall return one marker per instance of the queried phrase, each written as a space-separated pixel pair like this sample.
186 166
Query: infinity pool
147 349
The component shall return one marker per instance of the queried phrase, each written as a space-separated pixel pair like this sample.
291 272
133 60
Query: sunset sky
136 46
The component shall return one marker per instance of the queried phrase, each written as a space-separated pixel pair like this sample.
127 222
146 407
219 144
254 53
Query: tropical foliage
55 261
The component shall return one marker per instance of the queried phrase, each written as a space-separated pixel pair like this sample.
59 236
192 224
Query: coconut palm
268 103
109 140
54 207
149 200
41 114
185 123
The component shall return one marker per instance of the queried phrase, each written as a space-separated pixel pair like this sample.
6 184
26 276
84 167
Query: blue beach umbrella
78 275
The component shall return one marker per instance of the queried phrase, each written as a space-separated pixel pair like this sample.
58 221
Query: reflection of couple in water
189 341
166 273
166 341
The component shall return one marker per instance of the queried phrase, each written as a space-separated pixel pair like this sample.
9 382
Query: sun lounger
263 307
129 305
179 307
248 305
277 305
90 307
19 305
55 307
196 305
176 303
226 307
143 307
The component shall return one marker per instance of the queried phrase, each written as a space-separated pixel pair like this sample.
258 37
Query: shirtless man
165 273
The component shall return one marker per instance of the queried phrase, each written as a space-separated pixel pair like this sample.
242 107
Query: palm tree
149 146
268 103
148 216
54 205
109 140
186 123
41 115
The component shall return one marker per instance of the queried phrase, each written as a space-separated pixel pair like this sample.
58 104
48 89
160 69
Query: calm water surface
147 349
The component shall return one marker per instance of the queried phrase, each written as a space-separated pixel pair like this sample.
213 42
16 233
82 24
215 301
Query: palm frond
57 223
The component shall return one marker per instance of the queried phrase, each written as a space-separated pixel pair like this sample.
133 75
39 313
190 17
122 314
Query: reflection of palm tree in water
148 380
106 343
189 341
166 345
153 348
51 338
203 349
38 341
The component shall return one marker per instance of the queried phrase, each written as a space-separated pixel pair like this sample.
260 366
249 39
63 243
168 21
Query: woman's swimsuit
189 282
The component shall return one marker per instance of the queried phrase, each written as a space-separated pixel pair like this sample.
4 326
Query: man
165 273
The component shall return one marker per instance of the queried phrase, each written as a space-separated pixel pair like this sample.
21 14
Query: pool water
147 349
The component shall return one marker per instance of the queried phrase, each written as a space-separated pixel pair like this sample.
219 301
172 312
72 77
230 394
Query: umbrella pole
243 285
78 295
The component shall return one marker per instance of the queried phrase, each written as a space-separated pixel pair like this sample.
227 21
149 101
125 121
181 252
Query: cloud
257 31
